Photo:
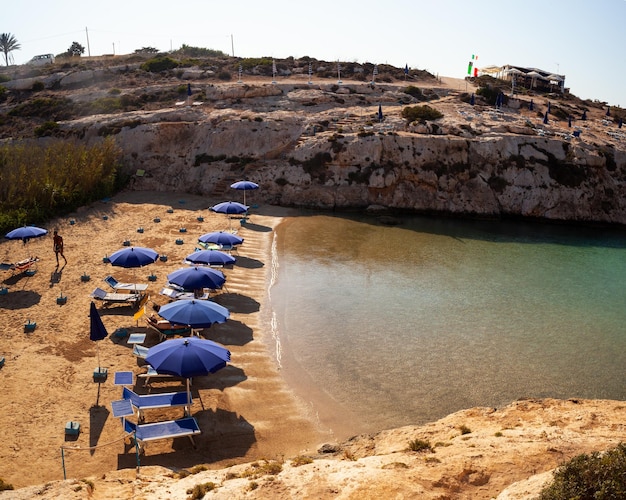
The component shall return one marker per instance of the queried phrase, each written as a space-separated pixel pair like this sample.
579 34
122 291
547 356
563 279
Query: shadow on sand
98 416
232 332
256 227
237 303
248 263
225 435
20 299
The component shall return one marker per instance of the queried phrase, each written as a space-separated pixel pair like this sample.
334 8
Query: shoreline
246 411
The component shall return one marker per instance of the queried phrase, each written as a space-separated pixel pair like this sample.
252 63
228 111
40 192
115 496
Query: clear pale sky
581 39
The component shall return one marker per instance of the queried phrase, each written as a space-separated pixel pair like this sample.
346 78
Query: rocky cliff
322 146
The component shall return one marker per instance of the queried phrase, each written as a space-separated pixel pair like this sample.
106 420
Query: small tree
8 44
76 49
147 50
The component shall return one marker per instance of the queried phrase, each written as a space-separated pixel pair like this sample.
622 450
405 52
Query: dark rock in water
387 220
376 209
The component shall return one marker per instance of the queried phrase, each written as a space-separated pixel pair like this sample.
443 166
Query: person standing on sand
58 246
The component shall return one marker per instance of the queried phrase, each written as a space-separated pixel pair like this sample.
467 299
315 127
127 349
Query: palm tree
8 44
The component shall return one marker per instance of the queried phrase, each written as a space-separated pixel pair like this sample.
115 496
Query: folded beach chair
130 287
133 299
162 430
152 373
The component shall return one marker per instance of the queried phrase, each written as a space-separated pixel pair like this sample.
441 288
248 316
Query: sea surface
406 324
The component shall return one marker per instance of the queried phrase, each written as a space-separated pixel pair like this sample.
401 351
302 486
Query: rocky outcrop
292 140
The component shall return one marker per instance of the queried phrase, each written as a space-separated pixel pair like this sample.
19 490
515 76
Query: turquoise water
405 324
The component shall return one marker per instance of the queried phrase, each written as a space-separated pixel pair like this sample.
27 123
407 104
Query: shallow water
403 325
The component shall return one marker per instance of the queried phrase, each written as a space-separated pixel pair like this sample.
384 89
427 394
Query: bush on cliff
598 476
420 113
158 64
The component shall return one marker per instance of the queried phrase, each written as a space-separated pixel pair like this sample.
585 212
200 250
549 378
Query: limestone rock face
285 138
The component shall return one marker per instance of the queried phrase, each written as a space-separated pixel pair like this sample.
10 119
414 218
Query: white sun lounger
130 287
116 298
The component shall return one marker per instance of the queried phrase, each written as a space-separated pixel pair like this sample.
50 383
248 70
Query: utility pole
88 48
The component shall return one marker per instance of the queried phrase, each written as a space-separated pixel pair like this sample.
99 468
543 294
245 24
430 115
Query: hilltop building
529 78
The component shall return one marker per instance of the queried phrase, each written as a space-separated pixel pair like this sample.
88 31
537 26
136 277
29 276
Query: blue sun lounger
153 401
162 430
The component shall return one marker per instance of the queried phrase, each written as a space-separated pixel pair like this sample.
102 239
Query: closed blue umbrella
210 258
380 113
221 238
244 186
187 357
545 118
584 116
569 121
197 278
97 330
194 313
133 257
548 107
531 105
26 232
472 100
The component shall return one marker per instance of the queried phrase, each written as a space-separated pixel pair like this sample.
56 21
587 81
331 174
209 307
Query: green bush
38 182
420 445
598 476
414 91
420 113
38 86
158 64
47 129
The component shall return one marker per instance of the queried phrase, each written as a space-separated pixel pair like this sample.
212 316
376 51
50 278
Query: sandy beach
246 411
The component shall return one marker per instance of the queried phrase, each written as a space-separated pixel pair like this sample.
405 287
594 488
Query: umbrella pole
188 410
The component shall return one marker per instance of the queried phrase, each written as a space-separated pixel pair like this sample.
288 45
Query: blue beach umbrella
197 278
187 357
189 89
380 113
531 105
210 258
194 313
244 186
569 121
221 238
608 111
25 233
229 207
548 107
133 257
545 118
584 116
472 100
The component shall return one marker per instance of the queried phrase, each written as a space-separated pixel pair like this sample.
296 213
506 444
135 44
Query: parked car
41 60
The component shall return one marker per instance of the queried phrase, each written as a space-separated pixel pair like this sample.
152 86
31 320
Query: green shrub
38 182
38 86
158 64
420 445
46 129
199 490
301 460
598 476
224 76
420 113
414 91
